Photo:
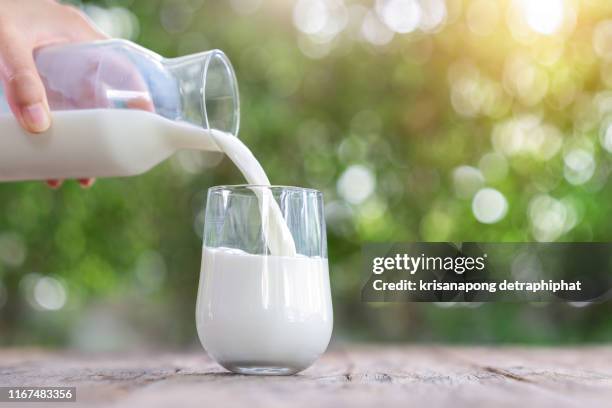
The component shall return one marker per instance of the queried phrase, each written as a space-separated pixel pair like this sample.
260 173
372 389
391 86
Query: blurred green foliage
428 118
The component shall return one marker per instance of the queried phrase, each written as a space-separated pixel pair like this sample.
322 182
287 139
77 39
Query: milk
269 312
94 143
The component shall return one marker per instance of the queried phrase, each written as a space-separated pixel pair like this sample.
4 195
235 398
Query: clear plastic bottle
119 109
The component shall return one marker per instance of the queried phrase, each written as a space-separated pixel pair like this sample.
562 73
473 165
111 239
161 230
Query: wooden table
351 376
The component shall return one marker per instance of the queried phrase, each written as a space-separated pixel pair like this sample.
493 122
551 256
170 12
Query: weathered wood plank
359 376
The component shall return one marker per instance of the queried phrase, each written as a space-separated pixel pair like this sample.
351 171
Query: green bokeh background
128 250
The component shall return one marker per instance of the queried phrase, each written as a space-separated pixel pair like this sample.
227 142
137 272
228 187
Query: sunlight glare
543 16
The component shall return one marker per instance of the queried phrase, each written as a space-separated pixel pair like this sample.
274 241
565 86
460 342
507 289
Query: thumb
24 89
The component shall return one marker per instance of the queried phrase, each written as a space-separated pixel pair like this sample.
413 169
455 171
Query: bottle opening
220 99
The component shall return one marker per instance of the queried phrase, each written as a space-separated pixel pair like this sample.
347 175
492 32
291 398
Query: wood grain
356 376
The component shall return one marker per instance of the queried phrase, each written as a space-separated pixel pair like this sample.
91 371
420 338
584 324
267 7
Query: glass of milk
264 302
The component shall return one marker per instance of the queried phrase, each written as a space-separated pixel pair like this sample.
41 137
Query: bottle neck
207 91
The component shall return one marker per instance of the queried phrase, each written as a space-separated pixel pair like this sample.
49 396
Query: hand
26 25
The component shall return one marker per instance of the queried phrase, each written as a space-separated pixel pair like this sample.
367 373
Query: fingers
23 86
54 184
84 183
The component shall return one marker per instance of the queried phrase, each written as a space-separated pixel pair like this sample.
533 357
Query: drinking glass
259 312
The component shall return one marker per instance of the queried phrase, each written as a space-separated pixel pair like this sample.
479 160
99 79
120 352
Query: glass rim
230 187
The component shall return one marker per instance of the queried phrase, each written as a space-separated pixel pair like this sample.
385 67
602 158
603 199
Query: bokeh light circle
489 206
